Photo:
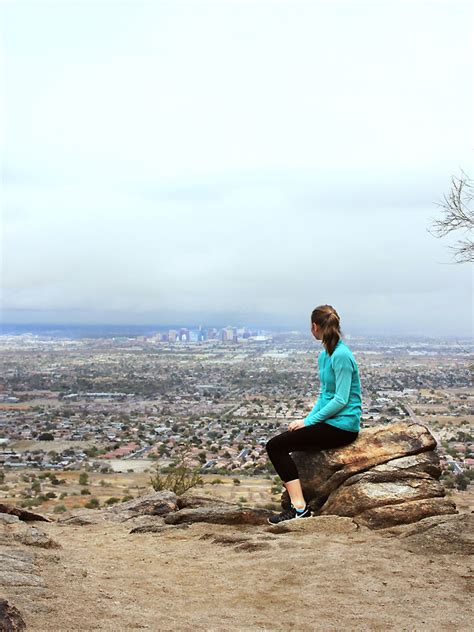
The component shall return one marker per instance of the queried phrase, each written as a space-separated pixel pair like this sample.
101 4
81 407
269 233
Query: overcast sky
234 162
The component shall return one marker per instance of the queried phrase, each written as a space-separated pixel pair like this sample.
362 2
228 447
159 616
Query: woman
334 420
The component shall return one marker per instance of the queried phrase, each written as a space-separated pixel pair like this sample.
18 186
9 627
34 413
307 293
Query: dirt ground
324 574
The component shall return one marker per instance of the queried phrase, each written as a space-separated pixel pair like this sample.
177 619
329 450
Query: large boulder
387 476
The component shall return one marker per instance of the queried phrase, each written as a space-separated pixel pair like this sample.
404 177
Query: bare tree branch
458 214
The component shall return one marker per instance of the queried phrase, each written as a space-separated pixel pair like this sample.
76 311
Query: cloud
243 161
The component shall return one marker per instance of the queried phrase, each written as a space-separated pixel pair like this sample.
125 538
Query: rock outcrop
442 535
22 514
10 619
220 514
387 476
154 504
20 573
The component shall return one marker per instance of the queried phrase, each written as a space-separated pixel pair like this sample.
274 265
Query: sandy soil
325 574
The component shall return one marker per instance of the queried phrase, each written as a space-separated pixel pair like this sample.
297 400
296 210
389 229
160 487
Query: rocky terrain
100 570
401 559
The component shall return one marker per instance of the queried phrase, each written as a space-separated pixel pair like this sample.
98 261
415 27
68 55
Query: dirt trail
216 577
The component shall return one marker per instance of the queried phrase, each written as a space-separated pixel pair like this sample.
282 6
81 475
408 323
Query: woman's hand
294 425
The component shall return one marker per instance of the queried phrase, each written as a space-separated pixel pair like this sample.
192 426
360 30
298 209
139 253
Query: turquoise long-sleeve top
339 402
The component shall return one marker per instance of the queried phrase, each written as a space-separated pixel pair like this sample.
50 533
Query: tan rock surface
324 573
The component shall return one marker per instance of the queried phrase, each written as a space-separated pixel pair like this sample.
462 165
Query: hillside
323 573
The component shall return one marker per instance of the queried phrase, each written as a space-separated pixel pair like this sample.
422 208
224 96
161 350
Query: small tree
83 478
458 214
179 477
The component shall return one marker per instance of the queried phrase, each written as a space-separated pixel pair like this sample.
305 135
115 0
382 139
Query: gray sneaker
290 514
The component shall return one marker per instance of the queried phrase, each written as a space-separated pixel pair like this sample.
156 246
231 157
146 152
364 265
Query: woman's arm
343 369
309 419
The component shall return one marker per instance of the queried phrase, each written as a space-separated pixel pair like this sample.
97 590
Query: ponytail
327 318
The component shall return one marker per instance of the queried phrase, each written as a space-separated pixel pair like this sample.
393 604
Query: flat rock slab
191 501
155 504
449 534
405 512
19 532
22 514
221 514
18 568
322 524
357 496
158 527
82 517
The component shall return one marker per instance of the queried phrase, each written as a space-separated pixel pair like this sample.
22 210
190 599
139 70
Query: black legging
313 438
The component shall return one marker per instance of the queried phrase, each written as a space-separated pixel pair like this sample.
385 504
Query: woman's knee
275 443
269 445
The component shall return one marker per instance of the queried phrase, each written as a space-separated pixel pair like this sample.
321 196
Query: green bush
93 503
85 491
112 500
59 508
30 502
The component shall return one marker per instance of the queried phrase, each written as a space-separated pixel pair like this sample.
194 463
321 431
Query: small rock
34 537
8 518
10 618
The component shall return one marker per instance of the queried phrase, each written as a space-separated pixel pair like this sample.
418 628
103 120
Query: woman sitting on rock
334 420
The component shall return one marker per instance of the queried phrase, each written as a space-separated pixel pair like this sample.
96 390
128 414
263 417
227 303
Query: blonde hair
328 319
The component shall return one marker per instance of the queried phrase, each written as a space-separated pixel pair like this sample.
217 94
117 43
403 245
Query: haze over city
234 163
